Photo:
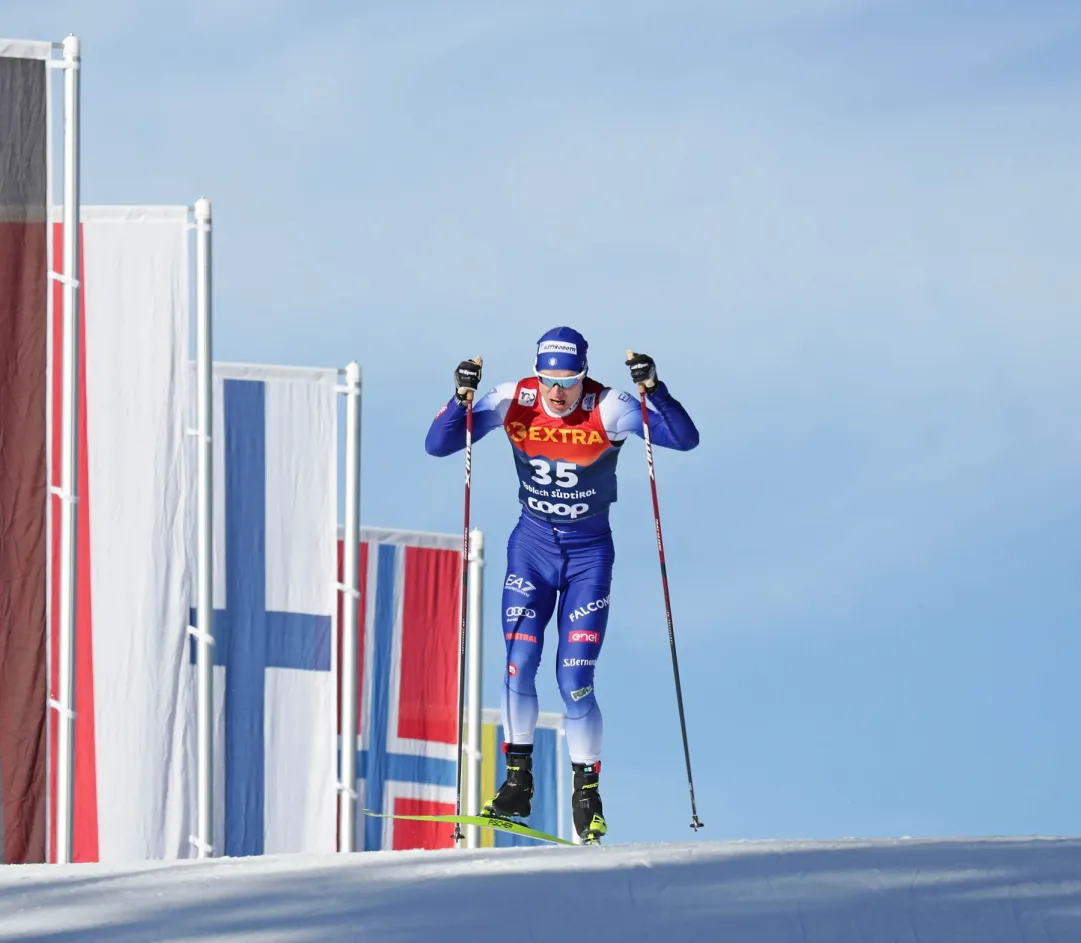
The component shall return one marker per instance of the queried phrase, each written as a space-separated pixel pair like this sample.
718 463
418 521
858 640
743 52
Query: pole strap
64 495
199 635
60 708
348 590
343 788
196 842
64 279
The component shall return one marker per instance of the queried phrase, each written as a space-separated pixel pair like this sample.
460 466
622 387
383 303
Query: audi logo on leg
520 612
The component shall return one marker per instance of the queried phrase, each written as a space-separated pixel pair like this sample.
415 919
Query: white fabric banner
136 491
275 600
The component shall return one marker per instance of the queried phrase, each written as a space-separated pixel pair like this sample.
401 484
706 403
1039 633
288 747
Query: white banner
135 494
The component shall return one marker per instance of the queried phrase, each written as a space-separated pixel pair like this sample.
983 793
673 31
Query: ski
483 821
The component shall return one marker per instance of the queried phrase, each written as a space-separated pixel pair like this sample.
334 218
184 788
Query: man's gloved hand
643 370
466 380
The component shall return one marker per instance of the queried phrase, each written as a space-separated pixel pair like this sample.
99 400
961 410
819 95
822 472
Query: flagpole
69 451
203 840
350 589
476 610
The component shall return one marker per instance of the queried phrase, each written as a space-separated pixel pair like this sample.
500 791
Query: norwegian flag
409 626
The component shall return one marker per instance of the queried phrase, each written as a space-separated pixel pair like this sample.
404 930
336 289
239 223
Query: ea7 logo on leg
519 584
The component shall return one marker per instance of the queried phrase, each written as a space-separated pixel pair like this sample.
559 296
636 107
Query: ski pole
465 600
695 823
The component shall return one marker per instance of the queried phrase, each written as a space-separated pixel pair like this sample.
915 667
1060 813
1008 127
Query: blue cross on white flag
275 564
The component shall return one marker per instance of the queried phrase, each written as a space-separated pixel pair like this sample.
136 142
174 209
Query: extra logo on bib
565 464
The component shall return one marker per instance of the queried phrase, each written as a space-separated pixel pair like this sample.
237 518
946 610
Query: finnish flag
275 609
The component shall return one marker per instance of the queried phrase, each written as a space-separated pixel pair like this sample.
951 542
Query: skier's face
560 397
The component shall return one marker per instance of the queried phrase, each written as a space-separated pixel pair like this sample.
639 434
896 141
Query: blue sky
848 232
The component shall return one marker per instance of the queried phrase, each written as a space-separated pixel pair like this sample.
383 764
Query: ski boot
514 799
586 803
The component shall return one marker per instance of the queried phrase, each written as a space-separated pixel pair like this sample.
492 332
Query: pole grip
469 393
641 386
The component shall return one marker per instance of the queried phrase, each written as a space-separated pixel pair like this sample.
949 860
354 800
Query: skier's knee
523 660
577 693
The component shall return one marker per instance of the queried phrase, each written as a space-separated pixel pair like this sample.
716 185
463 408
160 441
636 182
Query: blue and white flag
275 609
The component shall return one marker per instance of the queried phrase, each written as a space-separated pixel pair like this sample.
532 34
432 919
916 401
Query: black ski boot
586 803
514 799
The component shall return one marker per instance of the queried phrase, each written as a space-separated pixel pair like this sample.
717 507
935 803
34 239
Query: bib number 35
565 476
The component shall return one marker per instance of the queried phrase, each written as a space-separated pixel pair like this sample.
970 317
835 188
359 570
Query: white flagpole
474 653
203 840
350 588
561 772
50 423
65 706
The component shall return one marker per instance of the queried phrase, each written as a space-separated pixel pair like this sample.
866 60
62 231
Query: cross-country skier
566 431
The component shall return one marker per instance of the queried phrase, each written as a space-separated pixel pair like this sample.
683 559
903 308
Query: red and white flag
135 507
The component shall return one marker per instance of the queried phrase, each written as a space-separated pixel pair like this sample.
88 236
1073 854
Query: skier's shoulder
498 396
614 402
507 389
502 397
615 409
524 392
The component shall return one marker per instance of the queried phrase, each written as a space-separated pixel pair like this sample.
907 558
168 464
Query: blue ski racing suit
560 554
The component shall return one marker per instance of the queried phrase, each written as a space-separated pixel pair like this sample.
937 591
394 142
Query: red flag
23 479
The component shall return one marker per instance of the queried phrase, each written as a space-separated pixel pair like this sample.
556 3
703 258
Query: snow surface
905 891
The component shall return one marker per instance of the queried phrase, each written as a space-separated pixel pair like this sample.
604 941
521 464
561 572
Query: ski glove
466 380
643 370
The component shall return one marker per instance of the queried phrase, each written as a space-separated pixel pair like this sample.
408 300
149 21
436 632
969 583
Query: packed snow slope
987 891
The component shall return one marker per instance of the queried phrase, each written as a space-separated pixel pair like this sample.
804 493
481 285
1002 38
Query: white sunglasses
564 382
